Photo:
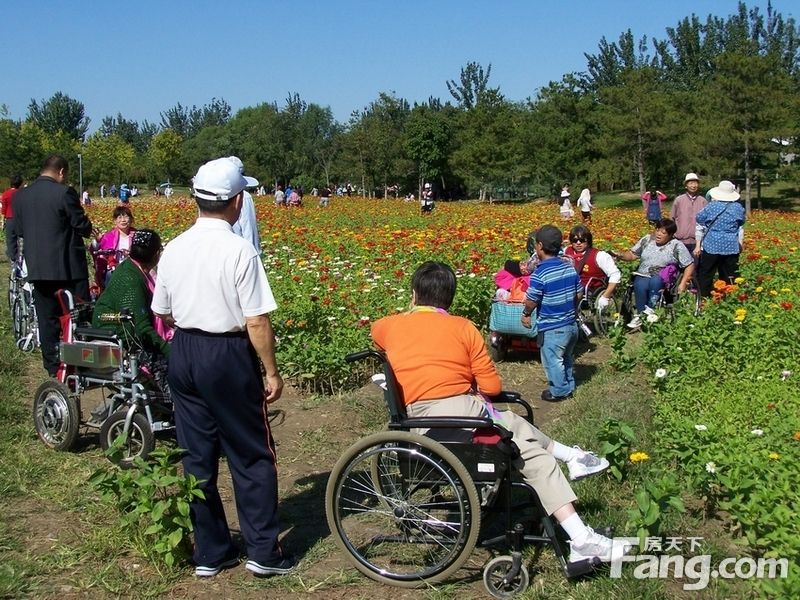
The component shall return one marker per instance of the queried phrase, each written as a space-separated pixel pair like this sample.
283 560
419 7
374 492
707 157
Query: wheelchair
669 299
23 310
136 397
408 510
506 333
602 319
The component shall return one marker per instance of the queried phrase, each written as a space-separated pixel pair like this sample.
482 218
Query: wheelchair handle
118 317
356 356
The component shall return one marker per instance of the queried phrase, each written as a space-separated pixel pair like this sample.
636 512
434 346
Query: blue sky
141 57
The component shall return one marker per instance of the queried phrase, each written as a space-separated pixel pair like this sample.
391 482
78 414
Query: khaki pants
537 465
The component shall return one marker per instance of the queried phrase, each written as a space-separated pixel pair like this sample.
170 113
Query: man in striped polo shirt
554 292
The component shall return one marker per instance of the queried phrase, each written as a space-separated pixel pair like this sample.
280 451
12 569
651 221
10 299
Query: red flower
786 305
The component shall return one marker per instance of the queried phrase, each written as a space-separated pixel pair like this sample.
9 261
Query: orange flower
796 436
720 285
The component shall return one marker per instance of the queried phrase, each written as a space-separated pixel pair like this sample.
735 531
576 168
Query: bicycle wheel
403 508
605 318
56 415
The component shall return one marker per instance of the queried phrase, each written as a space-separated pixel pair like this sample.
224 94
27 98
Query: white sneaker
636 322
598 546
583 463
649 310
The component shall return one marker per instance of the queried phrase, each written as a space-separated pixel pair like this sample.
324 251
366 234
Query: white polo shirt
211 279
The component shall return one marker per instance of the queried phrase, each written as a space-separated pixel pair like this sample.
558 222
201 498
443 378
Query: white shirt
247 225
211 279
608 266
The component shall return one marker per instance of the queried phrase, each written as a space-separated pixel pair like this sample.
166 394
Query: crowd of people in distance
214 350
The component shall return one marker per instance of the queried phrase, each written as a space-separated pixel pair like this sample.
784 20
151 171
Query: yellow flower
786 289
741 313
739 280
639 457
774 456
759 289
773 292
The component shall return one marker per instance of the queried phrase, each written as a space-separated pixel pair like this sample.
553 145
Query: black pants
218 392
11 241
48 311
727 265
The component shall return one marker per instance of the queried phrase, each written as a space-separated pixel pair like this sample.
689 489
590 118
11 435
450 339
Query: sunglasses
578 240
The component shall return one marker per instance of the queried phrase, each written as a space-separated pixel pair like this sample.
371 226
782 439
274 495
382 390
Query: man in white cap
247 225
212 284
684 211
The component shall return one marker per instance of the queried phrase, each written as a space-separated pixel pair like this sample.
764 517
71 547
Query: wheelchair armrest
96 334
446 422
514 398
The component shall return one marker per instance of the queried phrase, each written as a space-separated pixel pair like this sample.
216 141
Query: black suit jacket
49 217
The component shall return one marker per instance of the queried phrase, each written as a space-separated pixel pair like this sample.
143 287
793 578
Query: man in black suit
49 217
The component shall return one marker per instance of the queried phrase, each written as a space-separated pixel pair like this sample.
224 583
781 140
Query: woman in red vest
596 268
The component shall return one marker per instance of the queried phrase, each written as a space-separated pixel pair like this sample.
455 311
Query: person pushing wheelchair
442 369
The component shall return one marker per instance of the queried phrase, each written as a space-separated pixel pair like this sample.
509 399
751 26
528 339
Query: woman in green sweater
131 288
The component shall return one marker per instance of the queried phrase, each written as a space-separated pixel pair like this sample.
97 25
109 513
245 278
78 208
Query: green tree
428 142
639 125
743 116
107 159
472 84
59 113
488 151
165 154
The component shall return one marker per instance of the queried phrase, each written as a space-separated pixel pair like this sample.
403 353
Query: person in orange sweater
443 369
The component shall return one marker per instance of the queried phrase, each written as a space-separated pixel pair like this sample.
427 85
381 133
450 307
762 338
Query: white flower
758 432
711 467
471 275
342 308
661 373
364 319
737 322
331 318
700 427
652 318
785 375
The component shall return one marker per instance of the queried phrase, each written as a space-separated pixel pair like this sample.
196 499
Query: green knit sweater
128 289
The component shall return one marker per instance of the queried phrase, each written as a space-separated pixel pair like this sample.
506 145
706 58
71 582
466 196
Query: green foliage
107 159
165 154
616 441
620 359
153 501
654 496
60 113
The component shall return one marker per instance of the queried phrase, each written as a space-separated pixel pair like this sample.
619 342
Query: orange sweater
435 355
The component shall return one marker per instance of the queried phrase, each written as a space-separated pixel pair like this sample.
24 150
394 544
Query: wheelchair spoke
402 512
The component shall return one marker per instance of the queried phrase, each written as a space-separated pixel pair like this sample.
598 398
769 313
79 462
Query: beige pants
537 465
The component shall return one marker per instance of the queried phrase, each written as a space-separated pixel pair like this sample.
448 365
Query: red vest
590 269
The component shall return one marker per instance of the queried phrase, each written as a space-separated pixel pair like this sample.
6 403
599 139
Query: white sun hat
691 177
724 192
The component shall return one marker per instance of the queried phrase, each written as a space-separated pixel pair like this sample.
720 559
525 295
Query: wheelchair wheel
627 306
19 318
140 442
403 508
494 578
607 317
56 415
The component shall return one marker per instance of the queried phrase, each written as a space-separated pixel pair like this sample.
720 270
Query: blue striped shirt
553 287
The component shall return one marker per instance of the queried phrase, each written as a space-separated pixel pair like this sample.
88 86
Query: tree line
719 96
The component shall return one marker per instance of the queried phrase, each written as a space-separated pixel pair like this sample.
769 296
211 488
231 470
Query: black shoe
282 567
548 397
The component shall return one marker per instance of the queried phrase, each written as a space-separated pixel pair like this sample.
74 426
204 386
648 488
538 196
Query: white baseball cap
251 181
427 185
219 180
691 177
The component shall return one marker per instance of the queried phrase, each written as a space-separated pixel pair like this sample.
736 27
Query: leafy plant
653 499
620 360
617 439
153 501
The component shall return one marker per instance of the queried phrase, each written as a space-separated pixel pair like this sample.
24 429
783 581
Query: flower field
734 370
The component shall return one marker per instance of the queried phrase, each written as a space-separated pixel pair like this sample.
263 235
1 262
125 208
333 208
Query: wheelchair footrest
582 567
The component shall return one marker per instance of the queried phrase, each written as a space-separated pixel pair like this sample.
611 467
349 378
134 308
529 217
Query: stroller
136 401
